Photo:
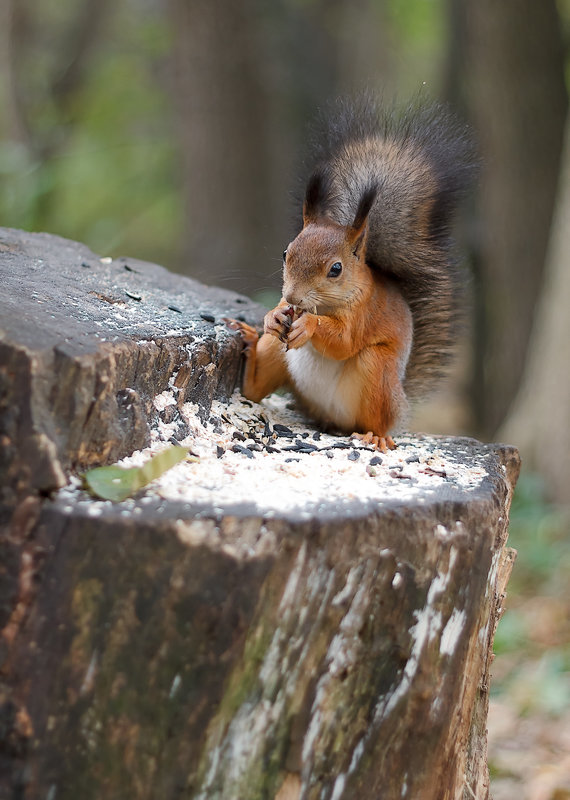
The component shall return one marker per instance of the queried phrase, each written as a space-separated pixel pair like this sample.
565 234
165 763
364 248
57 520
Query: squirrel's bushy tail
422 160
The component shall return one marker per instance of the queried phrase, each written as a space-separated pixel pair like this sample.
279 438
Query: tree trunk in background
365 47
221 109
514 68
540 420
13 124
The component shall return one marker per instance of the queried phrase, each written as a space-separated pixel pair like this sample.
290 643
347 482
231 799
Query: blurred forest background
174 131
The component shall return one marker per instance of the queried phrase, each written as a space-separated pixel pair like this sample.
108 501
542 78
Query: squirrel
369 307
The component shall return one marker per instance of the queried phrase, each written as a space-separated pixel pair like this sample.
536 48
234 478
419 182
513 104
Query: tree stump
292 617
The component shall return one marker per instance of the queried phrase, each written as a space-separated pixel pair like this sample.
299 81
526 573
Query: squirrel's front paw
248 334
278 322
302 331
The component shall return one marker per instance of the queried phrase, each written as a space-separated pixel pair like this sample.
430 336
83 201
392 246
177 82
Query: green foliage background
103 170
533 638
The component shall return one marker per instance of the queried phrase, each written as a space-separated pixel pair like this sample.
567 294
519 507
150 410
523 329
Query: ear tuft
316 196
359 227
365 204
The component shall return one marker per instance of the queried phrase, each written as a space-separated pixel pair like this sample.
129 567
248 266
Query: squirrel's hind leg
383 402
265 367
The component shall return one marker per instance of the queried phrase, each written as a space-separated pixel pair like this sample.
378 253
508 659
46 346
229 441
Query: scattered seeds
237 448
394 473
302 472
282 430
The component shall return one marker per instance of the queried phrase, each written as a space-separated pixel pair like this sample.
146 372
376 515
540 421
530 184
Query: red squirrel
366 320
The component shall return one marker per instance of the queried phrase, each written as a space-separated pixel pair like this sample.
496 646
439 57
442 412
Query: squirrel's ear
315 197
358 229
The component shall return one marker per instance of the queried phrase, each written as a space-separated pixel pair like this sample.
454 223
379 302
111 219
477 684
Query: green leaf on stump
117 483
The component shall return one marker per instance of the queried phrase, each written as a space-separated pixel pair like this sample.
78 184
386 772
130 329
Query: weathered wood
86 343
203 648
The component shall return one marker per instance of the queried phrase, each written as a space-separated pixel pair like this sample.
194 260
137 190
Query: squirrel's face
324 268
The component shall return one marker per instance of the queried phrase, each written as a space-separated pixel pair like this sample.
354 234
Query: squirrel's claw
248 333
385 443
277 323
382 443
302 331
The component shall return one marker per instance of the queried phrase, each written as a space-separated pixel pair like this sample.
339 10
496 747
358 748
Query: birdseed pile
267 457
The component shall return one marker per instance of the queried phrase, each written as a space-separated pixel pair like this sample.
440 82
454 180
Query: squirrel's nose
293 298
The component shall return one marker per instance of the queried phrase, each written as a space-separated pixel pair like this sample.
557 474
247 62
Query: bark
517 99
163 649
540 418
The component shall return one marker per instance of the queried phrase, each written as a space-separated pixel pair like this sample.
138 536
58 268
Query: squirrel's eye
284 255
335 270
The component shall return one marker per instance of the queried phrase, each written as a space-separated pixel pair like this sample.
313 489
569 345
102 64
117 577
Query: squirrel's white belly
325 384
